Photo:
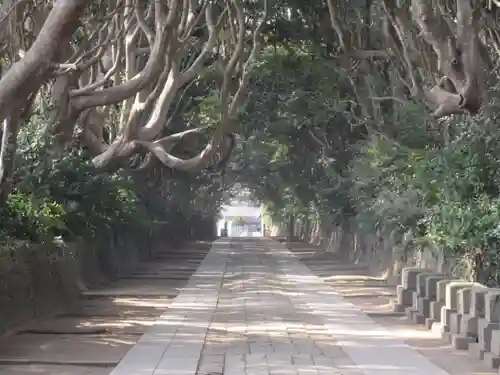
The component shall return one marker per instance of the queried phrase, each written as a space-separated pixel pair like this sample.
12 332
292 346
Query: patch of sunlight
354 278
159 303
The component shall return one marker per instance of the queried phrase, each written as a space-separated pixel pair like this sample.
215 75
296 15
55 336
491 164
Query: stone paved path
252 308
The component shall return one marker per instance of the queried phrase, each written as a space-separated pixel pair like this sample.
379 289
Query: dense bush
434 194
59 193
65 196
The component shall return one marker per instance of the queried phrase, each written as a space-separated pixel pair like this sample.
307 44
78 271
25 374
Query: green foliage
443 196
302 156
62 194
66 196
295 151
31 217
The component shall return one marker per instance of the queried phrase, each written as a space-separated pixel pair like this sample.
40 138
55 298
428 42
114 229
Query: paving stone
255 309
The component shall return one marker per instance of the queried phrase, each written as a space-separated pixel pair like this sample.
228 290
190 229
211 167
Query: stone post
478 307
422 298
431 297
451 305
462 329
407 287
488 328
434 321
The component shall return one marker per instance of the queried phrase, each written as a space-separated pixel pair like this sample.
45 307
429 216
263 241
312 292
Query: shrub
442 195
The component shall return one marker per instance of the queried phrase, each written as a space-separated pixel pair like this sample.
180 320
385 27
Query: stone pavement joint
253 308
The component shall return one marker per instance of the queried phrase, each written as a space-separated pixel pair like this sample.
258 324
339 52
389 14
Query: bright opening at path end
240 221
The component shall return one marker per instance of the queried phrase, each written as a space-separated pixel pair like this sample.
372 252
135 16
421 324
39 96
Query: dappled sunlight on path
253 308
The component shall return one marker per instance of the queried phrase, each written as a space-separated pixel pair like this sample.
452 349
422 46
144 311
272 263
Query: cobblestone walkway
252 308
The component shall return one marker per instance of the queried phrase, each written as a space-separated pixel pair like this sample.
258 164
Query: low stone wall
33 279
380 251
38 279
465 314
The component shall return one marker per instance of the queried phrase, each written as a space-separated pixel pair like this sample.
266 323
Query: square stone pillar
487 346
478 307
423 296
434 320
451 305
406 288
431 296
413 311
462 328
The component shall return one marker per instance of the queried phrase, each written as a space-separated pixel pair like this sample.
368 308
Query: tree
138 56
422 40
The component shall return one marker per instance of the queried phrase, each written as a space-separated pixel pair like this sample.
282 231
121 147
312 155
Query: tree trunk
291 228
8 154
307 229
57 30
345 243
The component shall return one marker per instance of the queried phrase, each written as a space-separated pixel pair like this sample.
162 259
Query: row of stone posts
466 314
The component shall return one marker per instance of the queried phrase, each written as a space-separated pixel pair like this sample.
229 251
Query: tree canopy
377 116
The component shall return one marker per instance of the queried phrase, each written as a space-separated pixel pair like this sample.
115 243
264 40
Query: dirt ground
374 297
92 337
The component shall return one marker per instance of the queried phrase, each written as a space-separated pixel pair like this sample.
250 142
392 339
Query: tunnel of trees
125 124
